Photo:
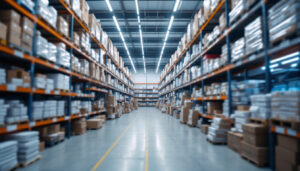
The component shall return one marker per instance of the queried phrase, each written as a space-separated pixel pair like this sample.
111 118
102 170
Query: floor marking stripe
111 147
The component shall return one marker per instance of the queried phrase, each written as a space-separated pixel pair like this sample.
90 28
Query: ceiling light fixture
140 32
121 34
176 5
108 5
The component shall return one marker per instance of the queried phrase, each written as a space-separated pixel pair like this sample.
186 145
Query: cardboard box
26 41
256 154
79 126
243 108
255 128
204 128
184 115
62 26
61 136
53 128
94 123
3 31
234 140
43 131
291 157
42 146
10 15
282 165
27 26
290 143
255 134
13 33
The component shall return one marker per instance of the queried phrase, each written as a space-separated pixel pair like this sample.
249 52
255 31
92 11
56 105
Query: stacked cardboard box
94 123
12 20
234 140
204 128
193 117
27 33
127 107
3 31
255 143
79 126
241 116
214 108
217 132
185 109
18 77
287 153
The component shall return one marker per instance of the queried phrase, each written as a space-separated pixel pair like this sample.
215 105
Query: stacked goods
63 56
8 155
3 111
184 97
12 21
285 105
75 5
204 128
84 8
62 26
2 74
61 81
18 77
238 7
27 34
127 107
17 112
164 108
51 134
185 109
47 13
287 153
79 126
3 32
217 132
28 145
102 117
253 36
241 115
40 81
255 143
260 106
193 118
118 110
214 108
283 20
234 140
94 123
135 103
238 49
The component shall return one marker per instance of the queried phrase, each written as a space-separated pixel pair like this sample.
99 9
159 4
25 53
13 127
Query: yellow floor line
147 147
110 148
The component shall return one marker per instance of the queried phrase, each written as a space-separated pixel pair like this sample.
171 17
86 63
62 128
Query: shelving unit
258 64
92 89
146 97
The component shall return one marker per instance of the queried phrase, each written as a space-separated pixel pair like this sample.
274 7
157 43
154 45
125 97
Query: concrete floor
171 147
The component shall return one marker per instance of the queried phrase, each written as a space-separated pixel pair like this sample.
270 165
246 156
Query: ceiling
155 17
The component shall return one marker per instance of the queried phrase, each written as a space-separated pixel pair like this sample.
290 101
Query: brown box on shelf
255 134
13 33
42 146
26 41
10 15
204 128
94 123
84 7
53 128
212 106
234 140
27 26
287 142
282 165
43 131
3 31
243 108
292 157
256 154
62 26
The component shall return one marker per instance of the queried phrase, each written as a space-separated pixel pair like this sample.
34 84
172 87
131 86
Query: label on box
279 130
10 128
31 124
292 132
11 87
18 53
54 119
48 91
56 92
67 117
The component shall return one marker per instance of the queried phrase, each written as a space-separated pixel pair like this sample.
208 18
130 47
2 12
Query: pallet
258 164
62 90
216 143
182 122
75 133
291 124
259 121
13 46
31 161
53 143
191 125
285 39
15 167
18 122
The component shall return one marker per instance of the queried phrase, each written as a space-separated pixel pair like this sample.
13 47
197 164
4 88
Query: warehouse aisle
171 147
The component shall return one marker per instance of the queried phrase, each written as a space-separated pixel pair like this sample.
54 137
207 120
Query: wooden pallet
259 121
258 164
13 46
18 122
31 161
286 123
75 133
216 143
190 125
54 142
182 122
15 167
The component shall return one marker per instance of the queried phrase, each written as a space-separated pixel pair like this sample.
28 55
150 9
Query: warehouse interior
150 85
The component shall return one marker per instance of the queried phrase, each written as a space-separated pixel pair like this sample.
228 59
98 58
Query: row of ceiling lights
141 34
168 32
140 31
120 32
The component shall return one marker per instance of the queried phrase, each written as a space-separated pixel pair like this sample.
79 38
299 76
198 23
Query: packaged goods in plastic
253 36
260 106
75 5
237 49
8 155
63 56
62 26
283 19
239 7
41 46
